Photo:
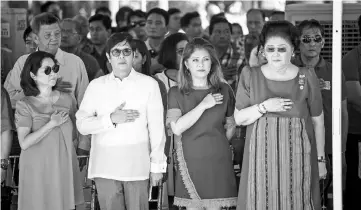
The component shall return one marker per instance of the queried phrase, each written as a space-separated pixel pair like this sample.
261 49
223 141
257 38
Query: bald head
83 23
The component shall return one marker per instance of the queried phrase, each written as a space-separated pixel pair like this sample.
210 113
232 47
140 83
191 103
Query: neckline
52 103
297 75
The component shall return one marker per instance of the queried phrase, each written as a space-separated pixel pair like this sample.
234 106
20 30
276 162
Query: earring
293 54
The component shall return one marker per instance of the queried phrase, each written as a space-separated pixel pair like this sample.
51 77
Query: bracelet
259 109
5 163
321 159
264 108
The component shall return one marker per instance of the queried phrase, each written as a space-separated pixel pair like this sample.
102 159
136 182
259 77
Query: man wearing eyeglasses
123 112
312 42
137 21
70 41
47 36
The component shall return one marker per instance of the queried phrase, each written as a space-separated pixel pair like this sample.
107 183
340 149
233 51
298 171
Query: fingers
218 98
121 106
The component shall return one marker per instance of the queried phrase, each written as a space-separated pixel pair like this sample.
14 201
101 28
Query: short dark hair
120 16
107 22
221 14
116 38
46 18
161 12
44 7
32 64
139 45
277 13
187 18
77 26
27 32
359 24
167 52
281 28
138 13
103 9
218 20
237 25
312 23
257 10
173 11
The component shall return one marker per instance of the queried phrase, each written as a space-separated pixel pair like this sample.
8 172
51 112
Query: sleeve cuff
107 122
158 167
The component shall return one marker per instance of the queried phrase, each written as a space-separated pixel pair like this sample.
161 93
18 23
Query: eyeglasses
180 51
48 69
307 40
138 23
273 49
57 34
125 52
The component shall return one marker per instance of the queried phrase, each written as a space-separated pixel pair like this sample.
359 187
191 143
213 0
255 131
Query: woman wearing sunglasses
49 176
281 105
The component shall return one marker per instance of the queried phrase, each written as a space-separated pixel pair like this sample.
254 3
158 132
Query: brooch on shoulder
301 81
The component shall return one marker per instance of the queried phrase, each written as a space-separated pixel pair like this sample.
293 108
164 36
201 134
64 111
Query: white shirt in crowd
128 151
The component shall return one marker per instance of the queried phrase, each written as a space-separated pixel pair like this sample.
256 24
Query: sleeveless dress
49 176
205 175
280 168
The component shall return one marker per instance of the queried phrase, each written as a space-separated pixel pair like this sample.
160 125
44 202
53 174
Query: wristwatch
5 164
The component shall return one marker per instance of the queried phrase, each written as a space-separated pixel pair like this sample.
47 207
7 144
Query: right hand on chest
278 104
58 118
121 115
211 100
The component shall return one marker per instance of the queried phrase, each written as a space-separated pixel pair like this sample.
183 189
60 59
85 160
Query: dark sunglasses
139 23
48 69
307 40
125 52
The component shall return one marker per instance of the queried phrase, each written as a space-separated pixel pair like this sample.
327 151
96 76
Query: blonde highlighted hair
215 76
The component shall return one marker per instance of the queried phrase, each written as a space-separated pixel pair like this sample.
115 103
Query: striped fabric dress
279 170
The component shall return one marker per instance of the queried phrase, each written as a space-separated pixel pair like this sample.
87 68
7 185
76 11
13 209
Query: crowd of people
157 100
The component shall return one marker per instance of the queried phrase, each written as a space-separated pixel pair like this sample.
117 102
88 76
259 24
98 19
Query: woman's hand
322 170
277 104
58 118
211 100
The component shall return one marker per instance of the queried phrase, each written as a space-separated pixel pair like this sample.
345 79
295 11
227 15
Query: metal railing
14 164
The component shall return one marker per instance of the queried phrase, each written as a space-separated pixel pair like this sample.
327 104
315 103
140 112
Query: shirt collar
130 77
59 55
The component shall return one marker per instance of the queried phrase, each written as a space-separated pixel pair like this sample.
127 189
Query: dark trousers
353 182
122 195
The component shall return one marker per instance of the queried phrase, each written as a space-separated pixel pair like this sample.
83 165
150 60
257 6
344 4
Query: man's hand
82 161
156 179
121 115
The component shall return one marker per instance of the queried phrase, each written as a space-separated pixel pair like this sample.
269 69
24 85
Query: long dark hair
32 64
215 76
167 52
139 45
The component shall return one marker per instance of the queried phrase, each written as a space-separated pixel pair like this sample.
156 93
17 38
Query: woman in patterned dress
200 114
281 105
